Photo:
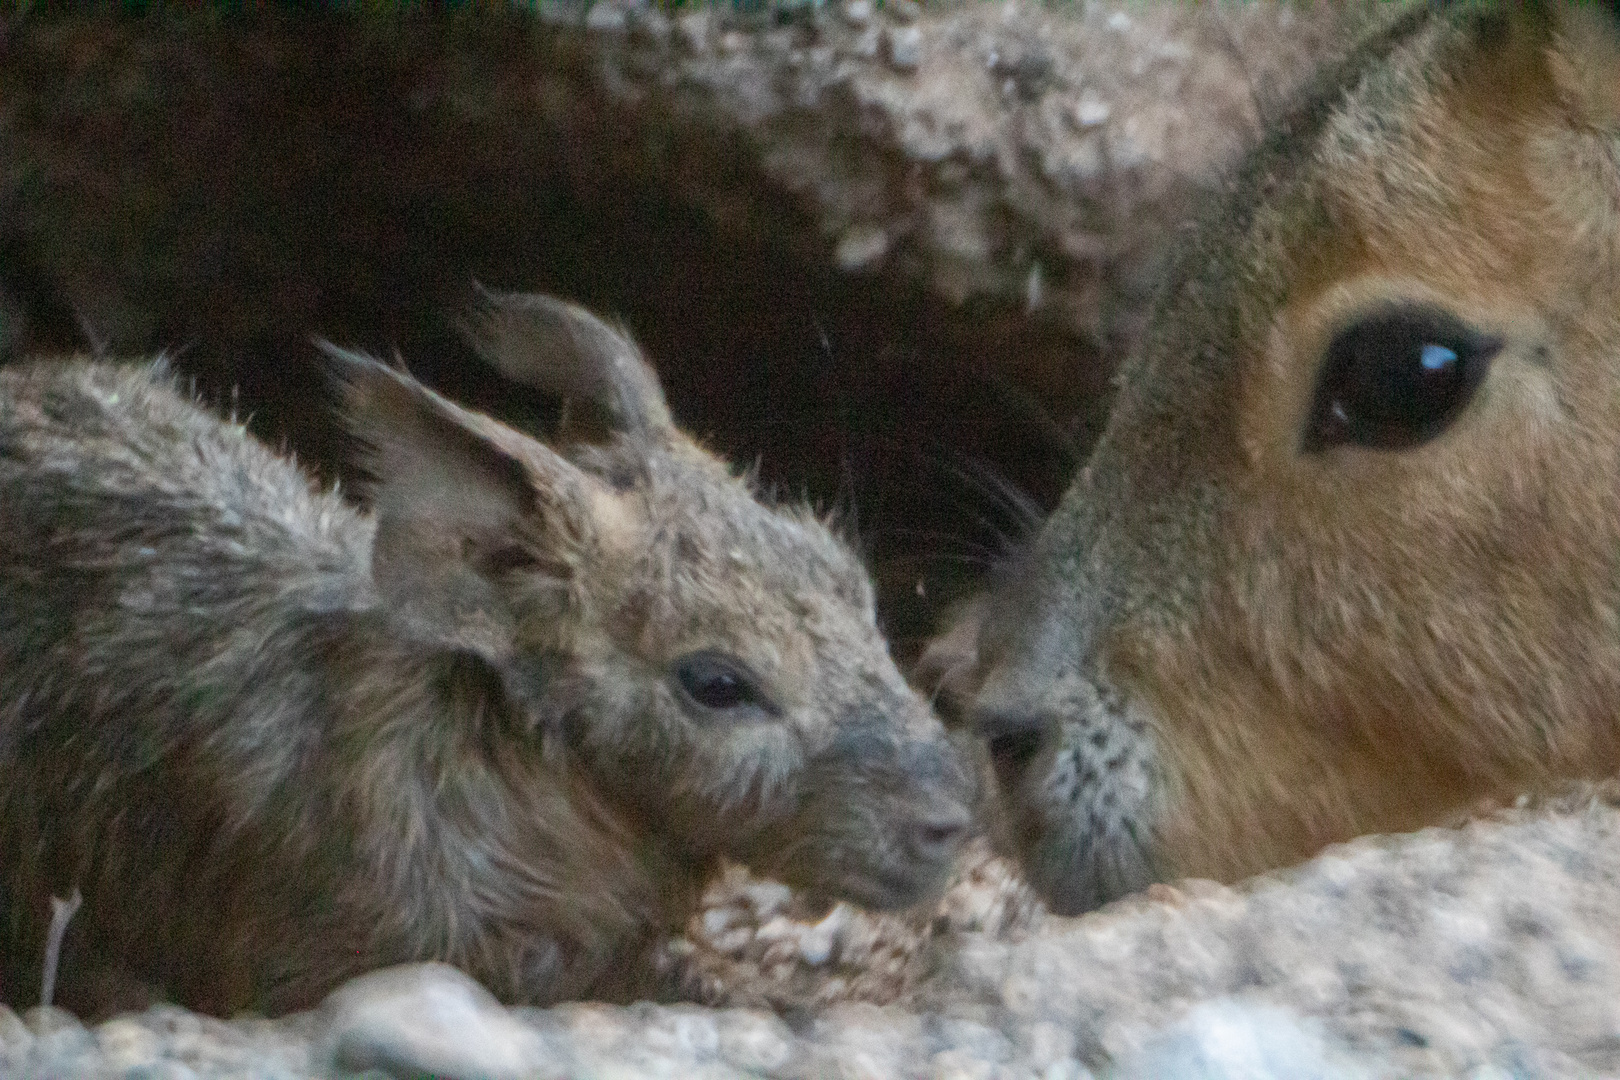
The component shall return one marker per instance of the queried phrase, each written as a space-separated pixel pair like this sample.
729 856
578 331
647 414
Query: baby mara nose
936 836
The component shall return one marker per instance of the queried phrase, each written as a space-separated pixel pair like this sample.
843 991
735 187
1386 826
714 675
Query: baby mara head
712 663
1347 556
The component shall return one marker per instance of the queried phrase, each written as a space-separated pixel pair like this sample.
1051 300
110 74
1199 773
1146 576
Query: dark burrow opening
296 203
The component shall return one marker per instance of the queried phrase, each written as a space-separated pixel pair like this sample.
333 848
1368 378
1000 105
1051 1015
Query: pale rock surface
428 1018
1486 950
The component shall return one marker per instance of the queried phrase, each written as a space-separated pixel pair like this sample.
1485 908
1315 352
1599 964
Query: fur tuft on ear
561 348
424 456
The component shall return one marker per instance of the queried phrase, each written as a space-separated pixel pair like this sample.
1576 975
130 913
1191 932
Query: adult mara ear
462 503
562 349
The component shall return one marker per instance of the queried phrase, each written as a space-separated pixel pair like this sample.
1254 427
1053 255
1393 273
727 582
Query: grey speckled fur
276 740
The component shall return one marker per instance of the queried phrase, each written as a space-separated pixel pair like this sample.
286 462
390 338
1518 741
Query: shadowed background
889 257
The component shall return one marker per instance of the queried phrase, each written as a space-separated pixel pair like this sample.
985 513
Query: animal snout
935 836
938 816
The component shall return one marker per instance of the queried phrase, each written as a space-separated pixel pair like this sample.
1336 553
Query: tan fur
1283 648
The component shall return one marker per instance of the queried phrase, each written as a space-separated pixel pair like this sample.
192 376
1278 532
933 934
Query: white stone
428 1018
1066 1070
46 1020
165 1070
718 920
1092 110
58 1035
866 46
767 896
1231 1038
692 29
904 46
860 248
777 928
817 943
755 1041
128 1044
687 1031
15 1038
1047 1044
606 17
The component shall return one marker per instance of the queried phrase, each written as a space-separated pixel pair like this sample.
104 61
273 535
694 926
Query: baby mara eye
720 682
1397 379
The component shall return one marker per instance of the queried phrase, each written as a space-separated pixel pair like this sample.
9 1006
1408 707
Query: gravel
1486 950
756 943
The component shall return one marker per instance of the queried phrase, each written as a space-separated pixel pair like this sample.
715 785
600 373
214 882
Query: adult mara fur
506 717
1347 556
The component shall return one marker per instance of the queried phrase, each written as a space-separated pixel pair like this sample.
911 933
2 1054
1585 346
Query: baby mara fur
506 716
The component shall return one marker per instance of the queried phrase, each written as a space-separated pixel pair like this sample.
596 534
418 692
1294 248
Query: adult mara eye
1397 379
719 681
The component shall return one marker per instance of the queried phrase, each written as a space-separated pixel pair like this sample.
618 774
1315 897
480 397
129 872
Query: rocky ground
1486 950
756 943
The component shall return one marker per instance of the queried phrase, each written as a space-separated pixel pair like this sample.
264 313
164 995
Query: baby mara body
507 717
1347 556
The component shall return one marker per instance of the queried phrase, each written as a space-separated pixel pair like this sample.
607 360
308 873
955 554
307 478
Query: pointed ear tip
357 378
499 299
337 366
337 358
532 303
504 321
349 363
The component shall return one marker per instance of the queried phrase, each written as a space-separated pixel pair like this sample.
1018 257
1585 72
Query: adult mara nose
1013 736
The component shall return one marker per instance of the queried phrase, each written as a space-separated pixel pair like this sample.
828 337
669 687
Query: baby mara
507 717
1347 556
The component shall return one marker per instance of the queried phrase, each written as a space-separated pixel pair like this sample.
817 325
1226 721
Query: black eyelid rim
762 701
506 558
1016 749
999 725
1429 318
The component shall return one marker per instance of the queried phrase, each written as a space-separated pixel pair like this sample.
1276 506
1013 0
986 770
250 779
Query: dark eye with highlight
1397 379
719 681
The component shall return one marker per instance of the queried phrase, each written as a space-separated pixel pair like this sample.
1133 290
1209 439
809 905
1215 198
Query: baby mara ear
562 349
463 502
